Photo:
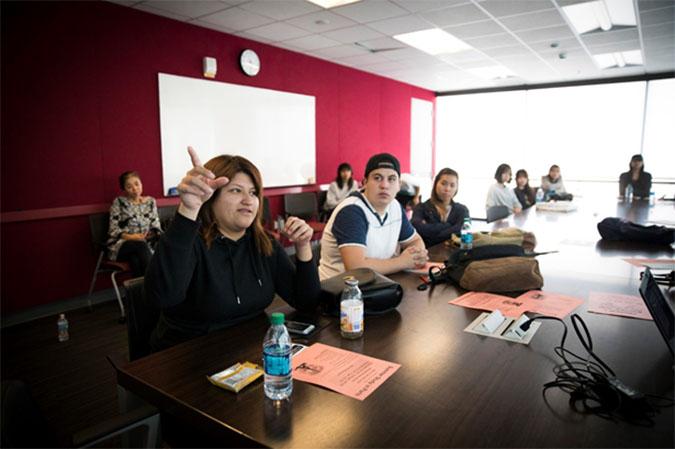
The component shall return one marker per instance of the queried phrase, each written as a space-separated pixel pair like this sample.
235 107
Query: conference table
453 389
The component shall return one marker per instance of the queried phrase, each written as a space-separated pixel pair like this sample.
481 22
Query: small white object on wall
210 67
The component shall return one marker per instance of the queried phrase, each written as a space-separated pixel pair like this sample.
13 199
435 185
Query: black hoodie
200 289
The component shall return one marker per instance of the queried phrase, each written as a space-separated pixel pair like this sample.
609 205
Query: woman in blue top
440 216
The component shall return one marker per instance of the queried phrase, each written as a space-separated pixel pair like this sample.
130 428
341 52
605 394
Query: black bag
380 294
624 230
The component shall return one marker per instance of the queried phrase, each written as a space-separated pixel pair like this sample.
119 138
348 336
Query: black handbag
380 294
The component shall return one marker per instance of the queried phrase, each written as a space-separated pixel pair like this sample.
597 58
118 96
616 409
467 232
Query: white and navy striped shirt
356 223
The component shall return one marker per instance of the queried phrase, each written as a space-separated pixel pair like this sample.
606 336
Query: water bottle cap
351 280
277 318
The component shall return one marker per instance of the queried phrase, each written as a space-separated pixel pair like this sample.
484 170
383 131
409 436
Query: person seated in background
369 229
215 266
523 191
409 193
340 189
499 193
134 225
552 185
636 177
440 216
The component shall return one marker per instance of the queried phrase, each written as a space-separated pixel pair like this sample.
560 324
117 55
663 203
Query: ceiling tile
656 31
236 19
476 29
386 66
507 51
646 5
312 42
253 37
609 37
462 56
399 25
192 9
370 10
546 34
501 8
659 43
280 9
160 12
341 51
563 44
405 53
426 5
383 42
475 64
657 16
278 31
541 19
353 34
365 59
495 40
320 22
211 26
455 15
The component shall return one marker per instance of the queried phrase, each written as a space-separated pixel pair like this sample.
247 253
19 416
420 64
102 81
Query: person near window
500 194
637 177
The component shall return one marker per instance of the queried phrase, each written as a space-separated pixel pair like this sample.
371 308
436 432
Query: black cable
592 385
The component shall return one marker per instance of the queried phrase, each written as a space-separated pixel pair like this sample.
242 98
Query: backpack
624 230
491 268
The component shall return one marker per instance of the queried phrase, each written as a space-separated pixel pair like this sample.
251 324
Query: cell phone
298 328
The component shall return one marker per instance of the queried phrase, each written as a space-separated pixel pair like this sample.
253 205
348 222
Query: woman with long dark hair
523 191
215 266
340 189
440 216
637 177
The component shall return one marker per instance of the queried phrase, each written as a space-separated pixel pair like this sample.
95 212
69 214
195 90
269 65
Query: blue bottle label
277 361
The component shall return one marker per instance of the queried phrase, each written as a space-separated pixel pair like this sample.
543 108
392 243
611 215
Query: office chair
324 215
304 205
166 214
141 320
24 425
98 226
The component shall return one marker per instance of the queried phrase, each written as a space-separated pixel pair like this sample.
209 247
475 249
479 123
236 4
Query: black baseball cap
383 160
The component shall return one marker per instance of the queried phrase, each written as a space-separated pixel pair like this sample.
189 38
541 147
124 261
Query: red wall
80 105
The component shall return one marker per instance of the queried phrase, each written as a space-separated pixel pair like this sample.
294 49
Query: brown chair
98 226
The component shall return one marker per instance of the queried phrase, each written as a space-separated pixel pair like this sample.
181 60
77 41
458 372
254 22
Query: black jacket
641 187
431 228
200 289
525 196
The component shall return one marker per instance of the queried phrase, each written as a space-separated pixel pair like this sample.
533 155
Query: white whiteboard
274 130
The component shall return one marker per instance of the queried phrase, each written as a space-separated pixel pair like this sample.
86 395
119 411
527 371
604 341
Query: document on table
352 374
654 264
621 305
535 301
509 307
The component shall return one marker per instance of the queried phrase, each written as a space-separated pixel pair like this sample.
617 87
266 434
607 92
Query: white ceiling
518 34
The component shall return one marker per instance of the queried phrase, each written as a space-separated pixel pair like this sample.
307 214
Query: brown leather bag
505 274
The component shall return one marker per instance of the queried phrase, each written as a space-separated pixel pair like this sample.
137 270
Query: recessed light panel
433 41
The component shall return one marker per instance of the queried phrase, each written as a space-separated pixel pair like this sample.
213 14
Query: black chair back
267 214
141 320
98 227
166 214
303 205
495 213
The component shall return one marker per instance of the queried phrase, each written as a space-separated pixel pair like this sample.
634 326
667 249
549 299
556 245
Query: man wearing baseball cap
370 229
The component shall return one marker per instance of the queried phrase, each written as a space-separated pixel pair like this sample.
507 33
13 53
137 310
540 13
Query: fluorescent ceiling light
433 41
619 59
492 72
600 15
332 3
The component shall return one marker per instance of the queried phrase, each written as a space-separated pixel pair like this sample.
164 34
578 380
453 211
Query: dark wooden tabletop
454 389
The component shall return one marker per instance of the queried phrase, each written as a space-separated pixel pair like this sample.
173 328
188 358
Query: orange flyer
350 373
535 301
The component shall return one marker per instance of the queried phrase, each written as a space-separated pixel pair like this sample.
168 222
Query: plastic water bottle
540 196
629 193
652 199
351 309
62 326
466 237
277 359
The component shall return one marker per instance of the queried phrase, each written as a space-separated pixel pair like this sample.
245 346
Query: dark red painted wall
80 105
